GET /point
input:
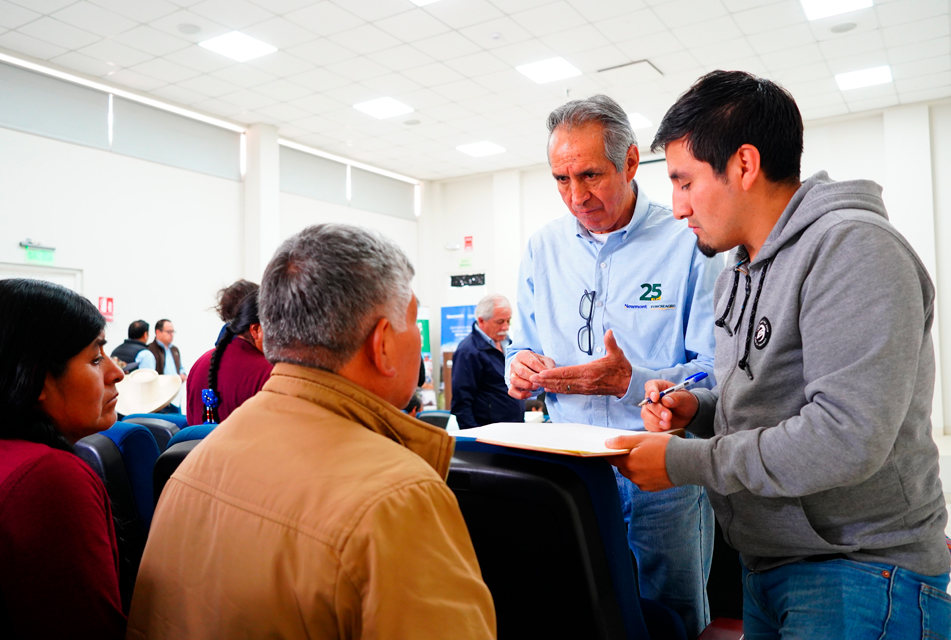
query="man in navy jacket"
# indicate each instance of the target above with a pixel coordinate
(479, 393)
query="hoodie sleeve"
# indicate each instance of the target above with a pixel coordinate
(866, 309)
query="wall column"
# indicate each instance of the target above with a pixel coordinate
(506, 234)
(262, 199)
(909, 198)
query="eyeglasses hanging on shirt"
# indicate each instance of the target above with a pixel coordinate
(586, 309)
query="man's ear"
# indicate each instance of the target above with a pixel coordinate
(379, 348)
(748, 163)
(631, 162)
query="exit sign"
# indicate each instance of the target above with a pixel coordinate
(39, 255)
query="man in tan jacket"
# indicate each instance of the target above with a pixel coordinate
(318, 509)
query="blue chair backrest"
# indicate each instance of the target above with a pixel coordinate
(549, 534)
(195, 432)
(139, 452)
(162, 429)
(178, 419)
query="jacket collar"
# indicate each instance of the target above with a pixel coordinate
(348, 400)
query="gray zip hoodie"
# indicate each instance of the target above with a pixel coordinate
(819, 431)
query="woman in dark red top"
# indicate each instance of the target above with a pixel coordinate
(235, 369)
(58, 554)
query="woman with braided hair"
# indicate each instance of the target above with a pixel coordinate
(233, 371)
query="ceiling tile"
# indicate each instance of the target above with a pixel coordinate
(859, 43)
(779, 39)
(315, 124)
(44, 6)
(149, 40)
(30, 46)
(920, 50)
(209, 85)
(412, 25)
(280, 33)
(493, 34)
(373, 10)
(461, 90)
(524, 52)
(581, 38)
(604, 9)
(218, 108)
(827, 112)
(711, 32)
(921, 68)
(819, 101)
(357, 69)
(676, 62)
(433, 74)
(917, 31)
(365, 39)
(13, 15)
(769, 18)
(602, 58)
(821, 86)
(478, 64)
(631, 26)
(284, 90)
(649, 47)
(131, 79)
(281, 7)
(873, 103)
(115, 53)
(804, 73)
(351, 94)
(400, 58)
(141, 11)
(549, 19)
(910, 97)
(242, 75)
(322, 52)
(717, 55)
(319, 80)
(859, 61)
(58, 33)
(789, 58)
(896, 13)
(248, 99)
(449, 111)
(924, 81)
(460, 14)
(324, 18)
(680, 13)
(179, 95)
(199, 59)
(447, 46)
(170, 23)
(94, 19)
(394, 85)
(83, 64)
(280, 64)
(165, 70)
(735, 6)
(424, 98)
(235, 14)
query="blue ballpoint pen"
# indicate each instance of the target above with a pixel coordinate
(697, 377)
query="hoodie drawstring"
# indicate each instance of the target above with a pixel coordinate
(744, 364)
(721, 321)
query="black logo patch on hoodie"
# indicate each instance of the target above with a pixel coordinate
(763, 331)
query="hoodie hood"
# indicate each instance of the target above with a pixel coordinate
(816, 197)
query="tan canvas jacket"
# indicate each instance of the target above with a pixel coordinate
(316, 510)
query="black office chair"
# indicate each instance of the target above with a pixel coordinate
(551, 543)
(168, 462)
(162, 430)
(434, 417)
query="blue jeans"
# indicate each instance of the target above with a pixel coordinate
(844, 599)
(671, 535)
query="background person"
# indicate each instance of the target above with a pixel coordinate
(137, 342)
(609, 297)
(163, 357)
(819, 456)
(58, 554)
(479, 393)
(319, 509)
(235, 369)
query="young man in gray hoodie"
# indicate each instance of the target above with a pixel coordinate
(818, 456)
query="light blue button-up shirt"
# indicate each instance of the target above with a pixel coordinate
(146, 360)
(653, 287)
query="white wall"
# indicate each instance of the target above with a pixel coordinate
(159, 240)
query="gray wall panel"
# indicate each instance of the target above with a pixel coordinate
(374, 192)
(311, 176)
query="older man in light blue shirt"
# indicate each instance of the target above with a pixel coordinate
(609, 297)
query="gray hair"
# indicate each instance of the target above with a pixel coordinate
(324, 291)
(598, 109)
(486, 307)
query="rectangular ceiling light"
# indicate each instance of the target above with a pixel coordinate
(383, 108)
(549, 70)
(818, 9)
(638, 121)
(863, 78)
(237, 46)
(479, 149)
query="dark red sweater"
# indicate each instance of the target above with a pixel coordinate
(58, 554)
(241, 374)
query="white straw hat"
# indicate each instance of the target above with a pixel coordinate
(145, 391)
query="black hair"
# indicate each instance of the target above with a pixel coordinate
(416, 402)
(246, 314)
(230, 298)
(42, 326)
(138, 329)
(724, 110)
(160, 325)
